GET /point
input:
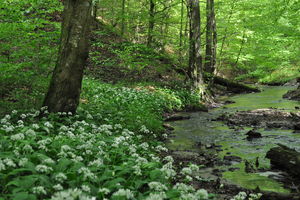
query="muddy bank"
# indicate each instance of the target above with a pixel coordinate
(263, 118)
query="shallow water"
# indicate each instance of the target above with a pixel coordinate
(201, 128)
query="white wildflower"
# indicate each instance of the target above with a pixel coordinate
(19, 136)
(39, 190)
(202, 194)
(60, 177)
(86, 188)
(2, 166)
(35, 126)
(157, 186)
(48, 125)
(169, 159)
(104, 191)
(98, 162)
(124, 193)
(58, 187)
(22, 162)
(71, 194)
(87, 174)
(43, 168)
(9, 162)
(137, 170)
(155, 196)
(144, 146)
(49, 161)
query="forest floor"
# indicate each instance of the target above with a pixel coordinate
(128, 90)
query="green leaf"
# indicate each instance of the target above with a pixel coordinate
(63, 164)
(23, 196)
(155, 174)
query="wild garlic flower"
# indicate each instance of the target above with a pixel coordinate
(23, 116)
(9, 162)
(58, 187)
(30, 133)
(48, 125)
(48, 161)
(98, 162)
(124, 193)
(144, 129)
(202, 194)
(184, 188)
(186, 171)
(22, 162)
(43, 169)
(137, 170)
(160, 148)
(169, 159)
(60, 177)
(144, 146)
(141, 160)
(86, 188)
(155, 196)
(28, 148)
(240, 196)
(39, 190)
(19, 136)
(8, 129)
(157, 186)
(104, 191)
(71, 194)
(35, 126)
(2, 166)
(87, 174)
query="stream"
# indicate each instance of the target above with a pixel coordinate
(203, 129)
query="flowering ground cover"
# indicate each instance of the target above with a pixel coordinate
(109, 149)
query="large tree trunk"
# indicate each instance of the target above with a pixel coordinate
(195, 58)
(65, 86)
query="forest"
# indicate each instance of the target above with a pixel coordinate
(150, 99)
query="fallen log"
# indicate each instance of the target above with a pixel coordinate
(284, 158)
(234, 86)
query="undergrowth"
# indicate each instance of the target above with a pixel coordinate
(109, 149)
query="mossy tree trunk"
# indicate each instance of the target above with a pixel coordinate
(65, 86)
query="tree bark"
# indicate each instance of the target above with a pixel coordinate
(181, 31)
(195, 58)
(211, 37)
(208, 49)
(65, 86)
(123, 18)
(151, 22)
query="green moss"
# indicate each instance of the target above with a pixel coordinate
(252, 181)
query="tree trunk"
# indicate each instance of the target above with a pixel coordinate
(64, 90)
(208, 49)
(151, 22)
(211, 37)
(215, 37)
(195, 58)
(123, 18)
(181, 31)
(225, 36)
